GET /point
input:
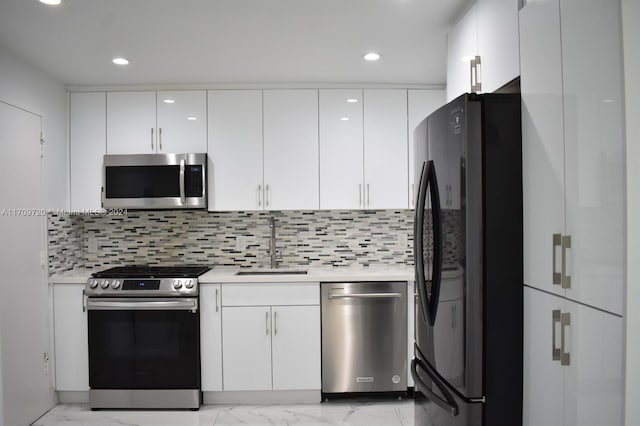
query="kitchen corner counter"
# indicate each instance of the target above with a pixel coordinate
(74, 276)
(318, 274)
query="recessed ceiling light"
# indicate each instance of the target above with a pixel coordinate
(192, 118)
(51, 2)
(344, 118)
(169, 101)
(120, 61)
(372, 56)
(352, 100)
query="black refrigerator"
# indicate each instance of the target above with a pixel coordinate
(467, 367)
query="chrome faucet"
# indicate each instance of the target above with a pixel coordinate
(272, 242)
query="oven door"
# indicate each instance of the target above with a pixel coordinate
(144, 343)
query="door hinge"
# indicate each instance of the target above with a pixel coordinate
(43, 259)
(41, 144)
(46, 363)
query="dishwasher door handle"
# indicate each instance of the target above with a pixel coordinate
(365, 295)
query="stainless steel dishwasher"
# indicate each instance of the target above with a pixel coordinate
(364, 337)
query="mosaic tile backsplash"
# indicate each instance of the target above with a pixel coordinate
(304, 238)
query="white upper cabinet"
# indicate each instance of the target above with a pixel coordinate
(182, 121)
(235, 150)
(385, 149)
(488, 29)
(462, 47)
(498, 42)
(542, 144)
(87, 129)
(341, 149)
(150, 122)
(291, 169)
(573, 150)
(421, 104)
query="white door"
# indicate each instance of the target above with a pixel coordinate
(341, 149)
(131, 123)
(70, 336)
(498, 42)
(88, 144)
(386, 161)
(595, 151)
(462, 46)
(24, 317)
(296, 347)
(246, 348)
(291, 169)
(211, 337)
(421, 103)
(543, 393)
(593, 380)
(542, 142)
(235, 150)
(182, 121)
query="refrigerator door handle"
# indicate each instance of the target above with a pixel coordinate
(436, 223)
(418, 238)
(448, 403)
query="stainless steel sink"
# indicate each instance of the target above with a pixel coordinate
(272, 272)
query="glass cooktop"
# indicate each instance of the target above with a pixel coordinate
(145, 271)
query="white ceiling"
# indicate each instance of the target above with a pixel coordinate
(232, 41)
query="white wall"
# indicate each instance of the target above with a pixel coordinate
(631, 36)
(25, 86)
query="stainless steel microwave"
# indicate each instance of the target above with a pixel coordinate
(155, 181)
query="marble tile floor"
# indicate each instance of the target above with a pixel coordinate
(351, 413)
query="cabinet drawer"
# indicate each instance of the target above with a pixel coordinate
(263, 294)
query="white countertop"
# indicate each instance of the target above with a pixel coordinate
(227, 274)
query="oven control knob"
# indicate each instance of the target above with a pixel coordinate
(177, 284)
(93, 283)
(189, 284)
(104, 284)
(115, 283)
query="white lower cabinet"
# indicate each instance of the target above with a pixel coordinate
(210, 337)
(70, 337)
(572, 363)
(273, 345)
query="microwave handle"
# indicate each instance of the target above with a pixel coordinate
(183, 198)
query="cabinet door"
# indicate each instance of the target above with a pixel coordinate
(593, 380)
(543, 376)
(211, 337)
(70, 337)
(462, 46)
(235, 150)
(87, 140)
(296, 347)
(386, 162)
(594, 146)
(421, 103)
(291, 149)
(498, 42)
(542, 141)
(246, 348)
(341, 149)
(131, 123)
(182, 121)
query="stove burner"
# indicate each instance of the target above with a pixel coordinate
(144, 271)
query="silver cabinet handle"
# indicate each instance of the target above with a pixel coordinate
(557, 242)
(364, 295)
(566, 244)
(160, 138)
(266, 321)
(152, 149)
(275, 323)
(360, 194)
(183, 197)
(476, 74)
(266, 196)
(565, 358)
(555, 319)
(259, 195)
(413, 194)
(217, 300)
(84, 306)
(368, 196)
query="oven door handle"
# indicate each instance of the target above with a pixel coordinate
(189, 304)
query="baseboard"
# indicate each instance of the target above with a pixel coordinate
(263, 397)
(73, 397)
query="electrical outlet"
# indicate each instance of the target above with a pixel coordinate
(402, 241)
(92, 245)
(241, 242)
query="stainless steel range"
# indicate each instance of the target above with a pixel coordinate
(144, 337)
